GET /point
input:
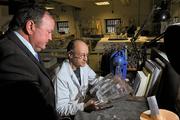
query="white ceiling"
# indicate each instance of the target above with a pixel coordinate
(75, 3)
(83, 3)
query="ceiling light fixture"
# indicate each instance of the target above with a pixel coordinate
(49, 8)
(102, 3)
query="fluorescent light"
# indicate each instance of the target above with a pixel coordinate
(49, 8)
(102, 3)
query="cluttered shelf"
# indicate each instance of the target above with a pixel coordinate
(107, 42)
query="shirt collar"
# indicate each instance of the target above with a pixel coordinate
(26, 43)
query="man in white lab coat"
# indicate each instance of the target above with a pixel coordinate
(72, 80)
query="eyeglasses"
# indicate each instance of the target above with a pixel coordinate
(81, 56)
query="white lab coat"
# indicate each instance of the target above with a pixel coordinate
(68, 90)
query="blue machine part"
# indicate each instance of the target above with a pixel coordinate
(118, 64)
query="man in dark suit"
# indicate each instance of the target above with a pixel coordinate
(26, 90)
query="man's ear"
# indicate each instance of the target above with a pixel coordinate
(30, 26)
(70, 54)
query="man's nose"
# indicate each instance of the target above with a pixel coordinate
(85, 57)
(50, 37)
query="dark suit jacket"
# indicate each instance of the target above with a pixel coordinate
(25, 87)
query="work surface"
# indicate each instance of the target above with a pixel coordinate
(128, 108)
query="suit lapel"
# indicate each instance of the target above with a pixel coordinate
(16, 40)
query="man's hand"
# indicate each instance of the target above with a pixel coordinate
(90, 106)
